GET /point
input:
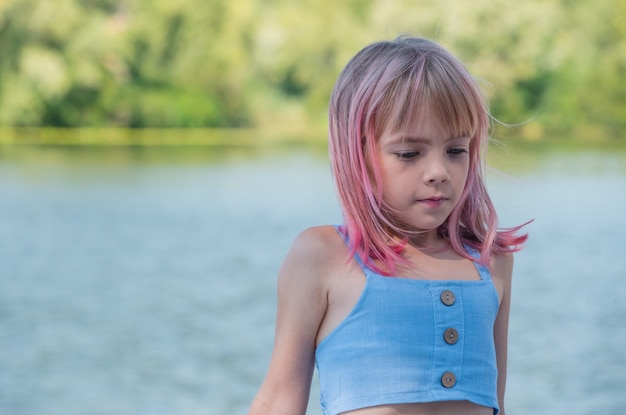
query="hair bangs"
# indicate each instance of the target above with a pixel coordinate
(435, 87)
(454, 99)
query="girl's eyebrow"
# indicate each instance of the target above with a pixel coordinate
(422, 140)
(411, 139)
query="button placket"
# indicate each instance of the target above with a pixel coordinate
(450, 337)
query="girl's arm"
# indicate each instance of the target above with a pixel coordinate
(302, 302)
(502, 267)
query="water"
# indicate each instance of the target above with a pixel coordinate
(143, 282)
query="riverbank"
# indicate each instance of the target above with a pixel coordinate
(246, 137)
(169, 137)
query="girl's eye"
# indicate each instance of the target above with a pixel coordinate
(457, 151)
(407, 155)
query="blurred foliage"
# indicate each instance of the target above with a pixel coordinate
(556, 67)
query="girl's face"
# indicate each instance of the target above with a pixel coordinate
(423, 173)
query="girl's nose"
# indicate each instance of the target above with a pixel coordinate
(436, 172)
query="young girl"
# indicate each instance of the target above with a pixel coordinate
(404, 308)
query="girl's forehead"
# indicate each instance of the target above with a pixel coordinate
(425, 122)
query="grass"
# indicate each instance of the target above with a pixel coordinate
(150, 137)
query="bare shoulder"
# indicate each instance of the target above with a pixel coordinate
(314, 255)
(502, 266)
(318, 246)
(320, 236)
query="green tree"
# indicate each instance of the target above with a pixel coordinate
(551, 65)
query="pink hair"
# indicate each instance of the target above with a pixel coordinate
(386, 85)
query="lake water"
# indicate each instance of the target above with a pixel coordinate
(142, 282)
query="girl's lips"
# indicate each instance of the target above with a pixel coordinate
(433, 202)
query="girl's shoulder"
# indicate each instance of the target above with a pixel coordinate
(502, 263)
(315, 256)
(319, 246)
(501, 267)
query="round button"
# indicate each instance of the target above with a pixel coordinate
(447, 297)
(448, 380)
(451, 336)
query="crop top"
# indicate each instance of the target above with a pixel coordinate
(410, 341)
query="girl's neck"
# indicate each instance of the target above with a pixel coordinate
(428, 240)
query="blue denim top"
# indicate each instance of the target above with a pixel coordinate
(409, 341)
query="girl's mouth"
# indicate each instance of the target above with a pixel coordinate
(434, 202)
